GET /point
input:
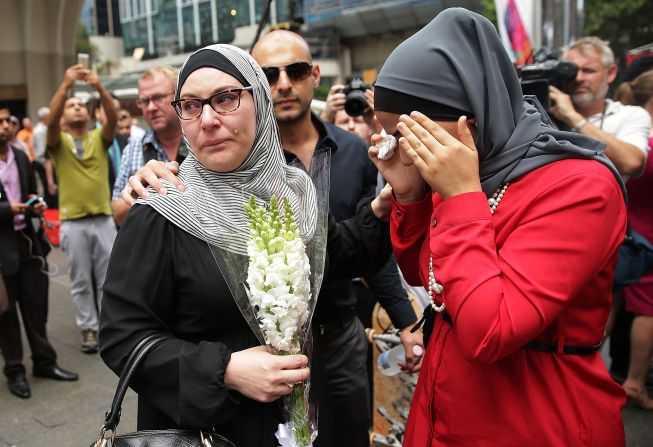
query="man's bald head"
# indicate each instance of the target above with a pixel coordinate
(277, 39)
(291, 94)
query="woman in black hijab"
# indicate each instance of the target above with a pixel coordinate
(164, 277)
(513, 228)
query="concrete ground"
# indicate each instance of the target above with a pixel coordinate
(62, 413)
(70, 413)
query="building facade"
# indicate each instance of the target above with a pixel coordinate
(157, 28)
(38, 44)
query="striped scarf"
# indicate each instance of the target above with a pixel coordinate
(211, 207)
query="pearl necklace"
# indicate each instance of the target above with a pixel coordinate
(436, 287)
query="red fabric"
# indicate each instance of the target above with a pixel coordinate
(639, 296)
(51, 225)
(540, 269)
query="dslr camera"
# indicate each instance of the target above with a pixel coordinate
(545, 71)
(356, 102)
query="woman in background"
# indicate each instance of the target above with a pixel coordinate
(639, 296)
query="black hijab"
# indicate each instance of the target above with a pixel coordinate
(458, 61)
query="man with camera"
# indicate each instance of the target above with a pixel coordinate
(585, 108)
(341, 344)
(351, 107)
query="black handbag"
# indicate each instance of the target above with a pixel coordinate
(149, 438)
(635, 259)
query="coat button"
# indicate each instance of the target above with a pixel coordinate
(397, 213)
(434, 223)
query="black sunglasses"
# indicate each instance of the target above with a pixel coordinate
(296, 72)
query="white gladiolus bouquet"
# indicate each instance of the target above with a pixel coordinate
(274, 266)
(278, 277)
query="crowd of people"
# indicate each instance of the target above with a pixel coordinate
(508, 218)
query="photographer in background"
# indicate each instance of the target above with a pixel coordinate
(587, 110)
(351, 108)
(623, 128)
(359, 117)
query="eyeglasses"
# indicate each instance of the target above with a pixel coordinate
(155, 99)
(223, 102)
(296, 72)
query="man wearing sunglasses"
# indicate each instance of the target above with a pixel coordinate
(163, 141)
(339, 367)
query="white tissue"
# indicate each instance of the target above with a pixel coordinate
(387, 146)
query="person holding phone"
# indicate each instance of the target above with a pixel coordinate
(24, 270)
(81, 160)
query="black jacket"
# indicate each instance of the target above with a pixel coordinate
(9, 255)
(183, 297)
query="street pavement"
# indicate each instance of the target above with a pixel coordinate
(62, 413)
(70, 413)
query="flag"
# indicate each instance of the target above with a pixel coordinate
(519, 41)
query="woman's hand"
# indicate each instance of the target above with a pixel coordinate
(150, 175)
(448, 165)
(262, 376)
(404, 178)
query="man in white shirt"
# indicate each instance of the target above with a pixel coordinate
(586, 109)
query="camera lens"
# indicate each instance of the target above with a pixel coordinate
(356, 103)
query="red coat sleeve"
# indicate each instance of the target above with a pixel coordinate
(408, 228)
(501, 297)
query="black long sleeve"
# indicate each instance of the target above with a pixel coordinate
(163, 280)
(358, 246)
(386, 287)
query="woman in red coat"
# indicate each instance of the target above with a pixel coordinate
(513, 227)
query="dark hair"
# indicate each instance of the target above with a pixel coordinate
(636, 68)
(4, 106)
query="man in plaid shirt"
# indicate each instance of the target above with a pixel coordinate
(163, 141)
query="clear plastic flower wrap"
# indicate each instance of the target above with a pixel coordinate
(277, 282)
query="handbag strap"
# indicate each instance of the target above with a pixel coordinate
(112, 416)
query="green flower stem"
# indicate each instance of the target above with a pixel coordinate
(298, 411)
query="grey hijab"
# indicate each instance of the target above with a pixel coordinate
(458, 60)
(211, 207)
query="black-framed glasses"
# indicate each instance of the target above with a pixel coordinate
(296, 72)
(223, 102)
(155, 99)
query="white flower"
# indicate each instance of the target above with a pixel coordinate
(278, 276)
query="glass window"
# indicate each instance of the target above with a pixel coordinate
(206, 26)
(283, 10)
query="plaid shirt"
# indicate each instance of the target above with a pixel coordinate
(133, 159)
